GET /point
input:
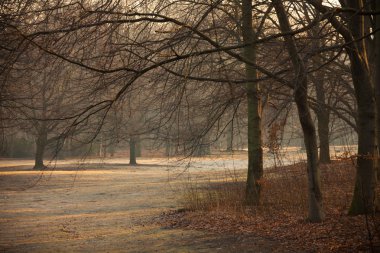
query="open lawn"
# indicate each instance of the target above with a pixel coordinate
(101, 207)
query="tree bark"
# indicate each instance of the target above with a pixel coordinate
(255, 152)
(377, 83)
(322, 112)
(102, 147)
(132, 151)
(41, 142)
(138, 146)
(168, 148)
(364, 198)
(230, 136)
(323, 124)
(310, 138)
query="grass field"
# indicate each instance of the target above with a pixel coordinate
(102, 206)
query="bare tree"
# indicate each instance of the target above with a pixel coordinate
(301, 98)
(364, 199)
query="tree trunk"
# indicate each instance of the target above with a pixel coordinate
(203, 148)
(377, 83)
(255, 152)
(138, 146)
(323, 124)
(322, 112)
(323, 117)
(71, 147)
(364, 199)
(310, 138)
(168, 148)
(230, 136)
(132, 151)
(40, 150)
(102, 147)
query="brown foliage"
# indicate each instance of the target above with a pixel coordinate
(217, 207)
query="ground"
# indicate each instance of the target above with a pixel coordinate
(166, 205)
(102, 206)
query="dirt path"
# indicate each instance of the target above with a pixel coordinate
(98, 208)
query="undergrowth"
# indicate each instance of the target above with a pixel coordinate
(216, 202)
(284, 189)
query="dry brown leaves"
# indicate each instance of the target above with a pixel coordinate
(337, 233)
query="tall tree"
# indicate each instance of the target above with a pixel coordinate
(364, 199)
(321, 110)
(301, 98)
(255, 151)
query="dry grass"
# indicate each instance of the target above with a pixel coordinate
(284, 189)
(217, 205)
(221, 193)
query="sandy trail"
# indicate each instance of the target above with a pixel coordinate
(99, 208)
